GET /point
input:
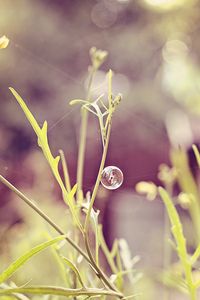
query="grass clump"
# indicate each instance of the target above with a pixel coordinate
(82, 269)
(83, 259)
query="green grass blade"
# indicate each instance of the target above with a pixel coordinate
(176, 228)
(177, 232)
(13, 267)
(71, 265)
(196, 255)
(41, 134)
(78, 101)
(73, 191)
(58, 291)
(196, 153)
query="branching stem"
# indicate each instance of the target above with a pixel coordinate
(98, 180)
(30, 203)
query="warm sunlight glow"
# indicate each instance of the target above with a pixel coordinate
(167, 4)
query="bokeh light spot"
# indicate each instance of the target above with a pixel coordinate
(102, 17)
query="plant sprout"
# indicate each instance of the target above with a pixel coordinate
(82, 268)
(84, 217)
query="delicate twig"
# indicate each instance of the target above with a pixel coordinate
(106, 251)
(87, 221)
(65, 171)
(102, 275)
(82, 142)
(59, 291)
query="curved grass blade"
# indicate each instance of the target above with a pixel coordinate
(196, 153)
(41, 134)
(59, 291)
(43, 143)
(195, 255)
(13, 267)
(78, 101)
(74, 269)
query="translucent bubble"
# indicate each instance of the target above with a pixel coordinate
(112, 177)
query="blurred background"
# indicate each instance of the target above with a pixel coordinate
(154, 51)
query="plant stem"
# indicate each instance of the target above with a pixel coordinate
(187, 184)
(92, 263)
(87, 221)
(106, 252)
(59, 291)
(167, 247)
(81, 153)
(43, 215)
(102, 275)
(82, 141)
(188, 277)
(193, 294)
(65, 171)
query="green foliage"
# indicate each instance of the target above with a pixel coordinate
(85, 267)
(196, 153)
(6, 274)
(82, 270)
(99, 109)
(177, 231)
(41, 134)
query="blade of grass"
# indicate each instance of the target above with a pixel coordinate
(92, 262)
(195, 256)
(25, 257)
(43, 215)
(41, 134)
(65, 171)
(58, 291)
(177, 232)
(72, 266)
(196, 153)
(106, 251)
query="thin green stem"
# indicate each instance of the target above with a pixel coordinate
(87, 221)
(191, 286)
(83, 134)
(60, 291)
(106, 252)
(65, 171)
(98, 180)
(187, 184)
(188, 276)
(81, 153)
(196, 153)
(30, 203)
(97, 245)
(101, 273)
(43, 215)
(167, 251)
(167, 247)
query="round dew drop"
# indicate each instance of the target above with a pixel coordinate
(112, 178)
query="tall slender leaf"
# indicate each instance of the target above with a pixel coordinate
(13, 267)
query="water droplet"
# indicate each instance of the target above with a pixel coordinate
(112, 178)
